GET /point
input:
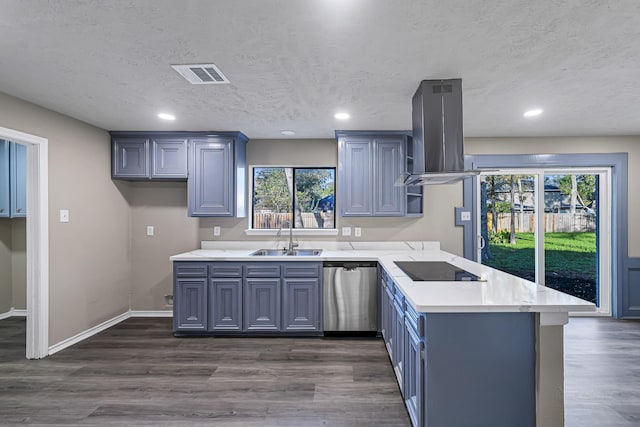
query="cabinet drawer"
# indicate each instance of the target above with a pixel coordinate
(190, 269)
(415, 320)
(301, 269)
(262, 269)
(225, 269)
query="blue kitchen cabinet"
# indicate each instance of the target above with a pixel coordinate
(354, 172)
(448, 361)
(13, 180)
(217, 176)
(130, 158)
(301, 305)
(18, 180)
(414, 365)
(225, 304)
(262, 304)
(368, 165)
(398, 341)
(5, 180)
(142, 156)
(248, 298)
(169, 158)
(190, 301)
(388, 166)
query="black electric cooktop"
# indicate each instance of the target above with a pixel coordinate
(435, 271)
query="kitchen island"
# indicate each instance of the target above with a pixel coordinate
(465, 353)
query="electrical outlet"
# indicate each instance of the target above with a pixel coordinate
(465, 216)
(346, 231)
(64, 215)
(150, 230)
(357, 232)
(216, 230)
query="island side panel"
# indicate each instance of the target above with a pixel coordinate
(480, 369)
(550, 375)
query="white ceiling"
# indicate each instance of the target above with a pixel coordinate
(293, 63)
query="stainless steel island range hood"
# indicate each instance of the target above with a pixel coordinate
(438, 156)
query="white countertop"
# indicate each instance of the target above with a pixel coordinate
(501, 292)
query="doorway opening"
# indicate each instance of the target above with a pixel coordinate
(37, 241)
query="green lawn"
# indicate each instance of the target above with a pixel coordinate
(566, 254)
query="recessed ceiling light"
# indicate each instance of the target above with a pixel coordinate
(166, 116)
(533, 113)
(288, 132)
(342, 116)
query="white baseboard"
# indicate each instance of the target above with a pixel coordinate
(88, 333)
(151, 313)
(13, 312)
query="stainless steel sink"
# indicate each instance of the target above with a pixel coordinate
(284, 252)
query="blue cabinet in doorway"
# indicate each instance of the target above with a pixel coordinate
(13, 180)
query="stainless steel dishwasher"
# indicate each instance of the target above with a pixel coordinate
(350, 300)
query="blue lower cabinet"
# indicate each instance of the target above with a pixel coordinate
(225, 304)
(262, 305)
(190, 302)
(413, 373)
(301, 303)
(398, 343)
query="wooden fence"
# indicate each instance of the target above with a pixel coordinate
(277, 220)
(554, 222)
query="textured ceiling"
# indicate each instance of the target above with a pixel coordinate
(293, 64)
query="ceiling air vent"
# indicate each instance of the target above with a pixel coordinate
(201, 74)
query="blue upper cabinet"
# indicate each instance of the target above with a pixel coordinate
(141, 156)
(13, 180)
(130, 158)
(368, 165)
(5, 182)
(169, 158)
(217, 176)
(18, 180)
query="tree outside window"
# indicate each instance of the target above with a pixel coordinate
(303, 196)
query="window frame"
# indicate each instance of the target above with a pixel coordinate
(296, 231)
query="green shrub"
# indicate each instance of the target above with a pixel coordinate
(499, 237)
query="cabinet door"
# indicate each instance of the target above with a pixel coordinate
(413, 371)
(301, 305)
(189, 304)
(355, 191)
(18, 180)
(225, 305)
(391, 319)
(5, 185)
(398, 344)
(388, 160)
(169, 158)
(130, 158)
(262, 305)
(211, 183)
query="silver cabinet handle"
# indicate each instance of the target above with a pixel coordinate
(483, 243)
(18, 210)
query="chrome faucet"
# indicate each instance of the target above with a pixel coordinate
(292, 245)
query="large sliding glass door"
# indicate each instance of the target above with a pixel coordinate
(549, 226)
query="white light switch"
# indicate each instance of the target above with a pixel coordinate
(216, 230)
(150, 230)
(357, 231)
(64, 215)
(346, 231)
(465, 216)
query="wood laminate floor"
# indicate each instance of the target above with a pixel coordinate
(138, 374)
